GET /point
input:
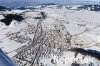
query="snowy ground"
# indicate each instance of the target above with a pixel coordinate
(83, 26)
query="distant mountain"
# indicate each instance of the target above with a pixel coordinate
(49, 4)
(2, 8)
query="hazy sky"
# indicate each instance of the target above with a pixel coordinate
(11, 2)
(43, 1)
(47, 0)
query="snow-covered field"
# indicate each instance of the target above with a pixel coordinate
(80, 28)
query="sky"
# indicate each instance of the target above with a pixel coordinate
(44, 0)
(28, 2)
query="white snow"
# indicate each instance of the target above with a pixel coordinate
(76, 22)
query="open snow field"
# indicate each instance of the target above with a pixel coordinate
(80, 27)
